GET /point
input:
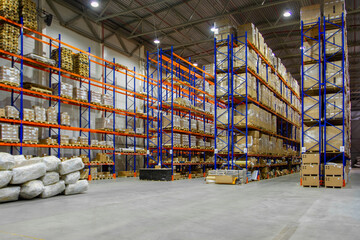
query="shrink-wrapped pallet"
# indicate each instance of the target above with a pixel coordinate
(95, 97)
(9, 194)
(9, 75)
(71, 165)
(9, 132)
(107, 100)
(76, 188)
(83, 140)
(53, 189)
(50, 178)
(81, 64)
(5, 177)
(185, 140)
(66, 61)
(31, 189)
(66, 90)
(80, 94)
(12, 112)
(71, 178)
(40, 114)
(65, 119)
(104, 123)
(27, 173)
(64, 139)
(51, 115)
(193, 142)
(29, 114)
(30, 134)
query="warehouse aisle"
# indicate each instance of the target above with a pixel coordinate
(189, 209)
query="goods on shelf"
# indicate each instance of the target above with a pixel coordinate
(66, 61)
(30, 134)
(105, 123)
(12, 112)
(83, 140)
(9, 9)
(310, 14)
(9, 133)
(9, 36)
(311, 108)
(10, 76)
(184, 124)
(28, 12)
(185, 140)
(40, 114)
(64, 139)
(37, 88)
(49, 141)
(166, 122)
(40, 59)
(333, 9)
(81, 64)
(107, 100)
(225, 29)
(51, 115)
(66, 90)
(65, 119)
(95, 98)
(29, 114)
(80, 94)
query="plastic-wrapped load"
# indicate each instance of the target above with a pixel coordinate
(9, 132)
(107, 100)
(53, 190)
(71, 178)
(9, 74)
(5, 178)
(21, 161)
(65, 119)
(30, 134)
(71, 165)
(79, 187)
(12, 112)
(50, 178)
(40, 114)
(29, 114)
(80, 94)
(95, 97)
(27, 173)
(104, 123)
(6, 161)
(52, 163)
(66, 90)
(51, 115)
(9, 194)
(31, 189)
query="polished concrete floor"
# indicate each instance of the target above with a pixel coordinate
(189, 209)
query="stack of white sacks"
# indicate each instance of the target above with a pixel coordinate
(41, 176)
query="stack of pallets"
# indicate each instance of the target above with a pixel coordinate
(81, 64)
(9, 9)
(27, 11)
(9, 38)
(66, 59)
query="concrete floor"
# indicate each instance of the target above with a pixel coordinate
(189, 209)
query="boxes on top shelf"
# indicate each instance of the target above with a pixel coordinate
(9, 9)
(334, 42)
(333, 9)
(311, 158)
(251, 30)
(310, 14)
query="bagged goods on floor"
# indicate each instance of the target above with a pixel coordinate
(71, 178)
(5, 178)
(39, 177)
(27, 173)
(53, 189)
(71, 165)
(6, 161)
(79, 187)
(31, 189)
(50, 178)
(9, 194)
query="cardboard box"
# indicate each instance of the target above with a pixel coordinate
(311, 138)
(334, 169)
(333, 181)
(310, 14)
(310, 169)
(310, 181)
(333, 9)
(334, 105)
(312, 79)
(334, 41)
(334, 138)
(310, 158)
(311, 108)
(334, 77)
(225, 179)
(250, 29)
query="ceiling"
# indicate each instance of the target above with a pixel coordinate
(185, 25)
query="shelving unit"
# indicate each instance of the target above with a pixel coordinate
(57, 75)
(237, 88)
(177, 96)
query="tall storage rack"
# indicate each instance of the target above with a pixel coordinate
(181, 105)
(56, 75)
(236, 93)
(325, 93)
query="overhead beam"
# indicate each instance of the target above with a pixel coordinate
(130, 10)
(195, 22)
(55, 10)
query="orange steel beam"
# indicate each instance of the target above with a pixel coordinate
(50, 146)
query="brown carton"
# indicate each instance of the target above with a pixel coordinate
(310, 169)
(333, 9)
(311, 76)
(334, 138)
(310, 158)
(334, 169)
(311, 138)
(333, 181)
(310, 181)
(225, 179)
(311, 108)
(310, 14)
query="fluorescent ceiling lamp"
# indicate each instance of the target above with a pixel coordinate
(287, 13)
(195, 64)
(156, 41)
(214, 30)
(94, 4)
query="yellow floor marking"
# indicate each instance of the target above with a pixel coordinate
(20, 235)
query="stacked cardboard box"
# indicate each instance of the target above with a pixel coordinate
(65, 119)
(28, 12)
(80, 94)
(30, 134)
(9, 36)
(334, 173)
(29, 114)
(107, 100)
(12, 112)
(9, 133)
(104, 123)
(95, 98)
(40, 114)
(9, 75)
(51, 115)
(310, 170)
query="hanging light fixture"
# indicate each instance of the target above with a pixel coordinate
(287, 13)
(156, 41)
(94, 3)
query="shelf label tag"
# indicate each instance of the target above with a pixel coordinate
(245, 150)
(303, 149)
(147, 152)
(342, 149)
(171, 151)
(216, 151)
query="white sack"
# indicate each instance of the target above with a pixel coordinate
(5, 178)
(50, 178)
(71, 165)
(53, 190)
(71, 178)
(27, 173)
(9, 194)
(79, 187)
(31, 189)
(6, 161)
(19, 162)
(52, 163)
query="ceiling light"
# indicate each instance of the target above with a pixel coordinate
(156, 41)
(287, 13)
(195, 64)
(214, 30)
(94, 3)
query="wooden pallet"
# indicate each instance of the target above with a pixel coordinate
(311, 186)
(10, 140)
(332, 187)
(30, 142)
(10, 83)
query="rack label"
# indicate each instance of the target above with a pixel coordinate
(303, 149)
(245, 150)
(171, 151)
(147, 152)
(342, 149)
(216, 151)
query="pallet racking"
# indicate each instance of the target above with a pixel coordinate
(235, 95)
(56, 76)
(178, 99)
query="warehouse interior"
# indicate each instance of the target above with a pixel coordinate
(190, 117)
